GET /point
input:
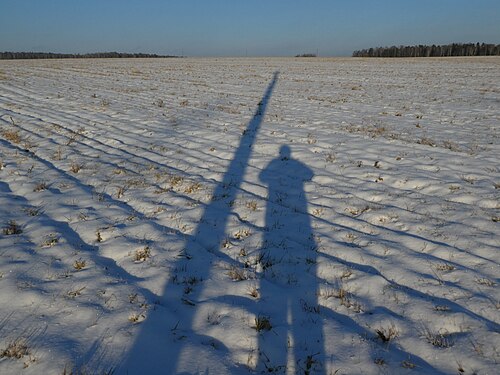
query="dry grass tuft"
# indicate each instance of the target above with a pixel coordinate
(438, 339)
(444, 267)
(253, 291)
(79, 264)
(238, 274)
(262, 323)
(12, 228)
(50, 240)
(386, 334)
(136, 318)
(41, 187)
(16, 350)
(485, 281)
(252, 205)
(12, 136)
(143, 254)
(75, 167)
(192, 188)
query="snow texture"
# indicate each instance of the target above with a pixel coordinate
(246, 216)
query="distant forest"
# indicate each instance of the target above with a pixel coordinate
(455, 49)
(307, 55)
(49, 55)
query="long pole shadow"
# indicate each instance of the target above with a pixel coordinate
(158, 346)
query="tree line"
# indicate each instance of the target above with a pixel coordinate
(97, 55)
(307, 55)
(455, 49)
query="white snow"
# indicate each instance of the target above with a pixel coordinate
(160, 218)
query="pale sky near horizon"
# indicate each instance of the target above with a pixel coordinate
(242, 27)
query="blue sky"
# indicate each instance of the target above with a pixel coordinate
(240, 27)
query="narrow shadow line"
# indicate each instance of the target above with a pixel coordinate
(154, 350)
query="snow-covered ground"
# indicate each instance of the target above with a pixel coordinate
(239, 216)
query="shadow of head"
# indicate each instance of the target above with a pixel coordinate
(285, 152)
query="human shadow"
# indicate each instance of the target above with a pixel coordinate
(168, 331)
(288, 285)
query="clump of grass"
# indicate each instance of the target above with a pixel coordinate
(444, 267)
(311, 139)
(253, 291)
(237, 274)
(79, 264)
(12, 136)
(12, 228)
(252, 205)
(17, 349)
(265, 260)
(318, 212)
(142, 254)
(41, 187)
(342, 294)
(438, 339)
(226, 244)
(136, 318)
(58, 154)
(192, 188)
(76, 292)
(50, 240)
(408, 364)
(427, 141)
(356, 211)
(469, 179)
(33, 211)
(241, 234)
(346, 274)
(262, 323)
(75, 167)
(485, 281)
(379, 361)
(175, 180)
(121, 191)
(330, 292)
(387, 334)
(452, 146)
(442, 308)
(309, 308)
(330, 157)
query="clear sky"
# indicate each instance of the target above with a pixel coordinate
(240, 27)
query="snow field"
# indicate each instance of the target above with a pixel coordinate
(158, 222)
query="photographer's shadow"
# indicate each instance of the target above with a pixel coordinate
(289, 285)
